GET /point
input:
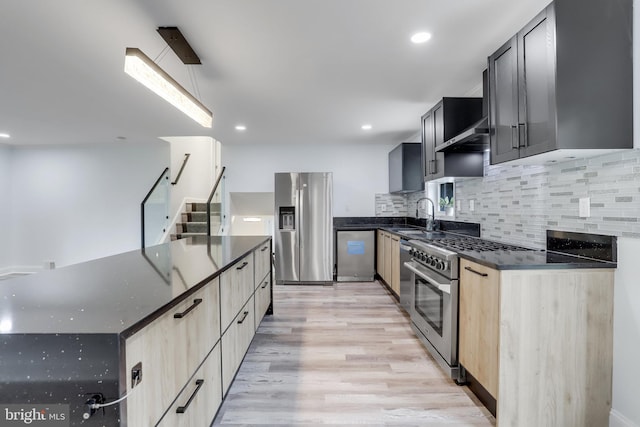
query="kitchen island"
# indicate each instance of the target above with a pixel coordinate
(146, 323)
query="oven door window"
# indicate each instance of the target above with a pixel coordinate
(428, 303)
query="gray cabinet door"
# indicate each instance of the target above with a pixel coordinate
(503, 101)
(536, 81)
(438, 138)
(428, 145)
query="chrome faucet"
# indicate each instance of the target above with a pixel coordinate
(431, 222)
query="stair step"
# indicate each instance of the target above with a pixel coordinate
(202, 207)
(191, 227)
(179, 236)
(194, 217)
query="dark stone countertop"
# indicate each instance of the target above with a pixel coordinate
(532, 260)
(117, 294)
(517, 259)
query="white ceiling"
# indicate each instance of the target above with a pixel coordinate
(292, 71)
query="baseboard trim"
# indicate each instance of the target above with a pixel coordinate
(616, 419)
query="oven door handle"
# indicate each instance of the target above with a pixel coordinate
(444, 288)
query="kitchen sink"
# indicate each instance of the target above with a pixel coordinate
(410, 231)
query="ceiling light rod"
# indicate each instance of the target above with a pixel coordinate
(142, 68)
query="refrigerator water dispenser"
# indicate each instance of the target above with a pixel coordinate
(287, 217)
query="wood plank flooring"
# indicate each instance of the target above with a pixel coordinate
(343, 355)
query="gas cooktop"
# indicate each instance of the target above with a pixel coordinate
(463, 243)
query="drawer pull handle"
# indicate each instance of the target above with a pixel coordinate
(191, 307)
(476, 272)
(264, 249)
(265, 285)
(183, 409)
(244, 316)
(244, 264)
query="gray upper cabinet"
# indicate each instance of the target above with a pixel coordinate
(563, 82)
(445, 120)
(405, 168)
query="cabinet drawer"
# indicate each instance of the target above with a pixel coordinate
(235, 343)
(263, 262)
(170, 349)
(263, 299)
(236, 286)
(198, 402)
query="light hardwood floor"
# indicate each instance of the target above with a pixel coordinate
(343, 355)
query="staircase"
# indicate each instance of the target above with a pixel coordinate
(194, 221)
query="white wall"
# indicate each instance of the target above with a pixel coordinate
(359, 171)
(5, 205)
(625, 411)
(80, 202)
(626, 337)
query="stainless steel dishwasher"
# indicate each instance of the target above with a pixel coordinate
(355, 255)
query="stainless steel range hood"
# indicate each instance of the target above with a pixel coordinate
(475, 138)
(472, 140)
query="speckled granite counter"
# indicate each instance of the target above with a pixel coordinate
(532, 260)
(61, 330)
(117, 293)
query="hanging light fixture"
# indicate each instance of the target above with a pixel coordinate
(142, 68)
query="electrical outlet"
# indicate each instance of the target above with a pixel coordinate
(472, 205)
(136, 374)
(383, 208)
(458, 205)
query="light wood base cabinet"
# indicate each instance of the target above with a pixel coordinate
(236, 286)
(388, 259)
(262, 258)
(191, 353)
(262, 299)
(380, 254)
(169, 350)
(198, 402)
(235, 342)
(479, 323)
(554, 343)
(394, 255)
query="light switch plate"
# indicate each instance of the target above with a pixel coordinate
(584, 207)
(472, 205)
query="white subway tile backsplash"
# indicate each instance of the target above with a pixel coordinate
(519, 203)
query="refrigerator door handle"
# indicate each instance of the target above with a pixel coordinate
(300, 209)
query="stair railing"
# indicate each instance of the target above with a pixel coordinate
(154, 211)
(184, 163)
(215, 204)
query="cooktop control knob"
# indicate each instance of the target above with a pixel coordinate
(441, 266)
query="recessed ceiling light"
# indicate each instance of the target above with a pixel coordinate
(420, 37)
(241, 127)
(366, 127)
(5, 135)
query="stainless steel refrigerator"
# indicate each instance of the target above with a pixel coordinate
(304, 227)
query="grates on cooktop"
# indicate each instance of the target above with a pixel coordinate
(478, 245)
